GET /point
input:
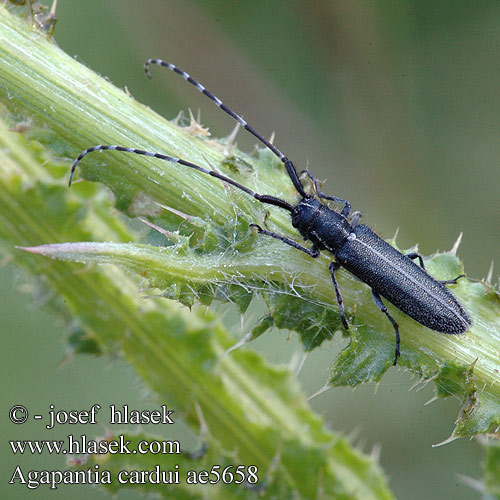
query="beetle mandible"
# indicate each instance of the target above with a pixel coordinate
(388, 272)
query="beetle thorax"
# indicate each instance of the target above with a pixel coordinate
(318, 223)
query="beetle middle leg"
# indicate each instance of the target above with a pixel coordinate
(378, 302)
(332, 268)
(313, 252)
(415, 255)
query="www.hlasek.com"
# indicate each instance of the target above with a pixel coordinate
(81, 445)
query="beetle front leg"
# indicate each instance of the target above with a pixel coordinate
(378, 302)
(355, 219)
(332, 268)
(347, 206)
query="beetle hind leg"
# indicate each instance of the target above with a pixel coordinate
(453, 281)
(378, 302)
(415, 255)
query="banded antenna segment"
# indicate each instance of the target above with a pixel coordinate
(290, 168)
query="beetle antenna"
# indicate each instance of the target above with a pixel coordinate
(264, 198)
(290, 168)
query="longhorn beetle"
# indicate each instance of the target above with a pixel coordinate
(388, 272)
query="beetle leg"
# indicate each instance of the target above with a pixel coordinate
(312, 252)
(416, 255)
(332, 268)
(347, 206)
(355, 219)
(378, 302)
(453, 281)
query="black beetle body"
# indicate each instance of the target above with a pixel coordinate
(402, 282)
(388, 272)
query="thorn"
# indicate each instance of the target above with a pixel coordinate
(297, 363)
(489, 276)
(353, 435)
(473, 365)
(186, 217)
(273, 136)
(474, 484)
(161, 230)
(232, 136)
(455, 246)
(423, 383)
(360, 443)
(325, 388)
(395, 234)
(178, 118)
(415, 385)
(375, 453)
(245, 340)
(195, 127)
(201, 418)
(53, 8)
(446, 441)
(30, 249)
(211, 165)
(434, 398)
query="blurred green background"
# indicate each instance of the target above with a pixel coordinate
(395, 103)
